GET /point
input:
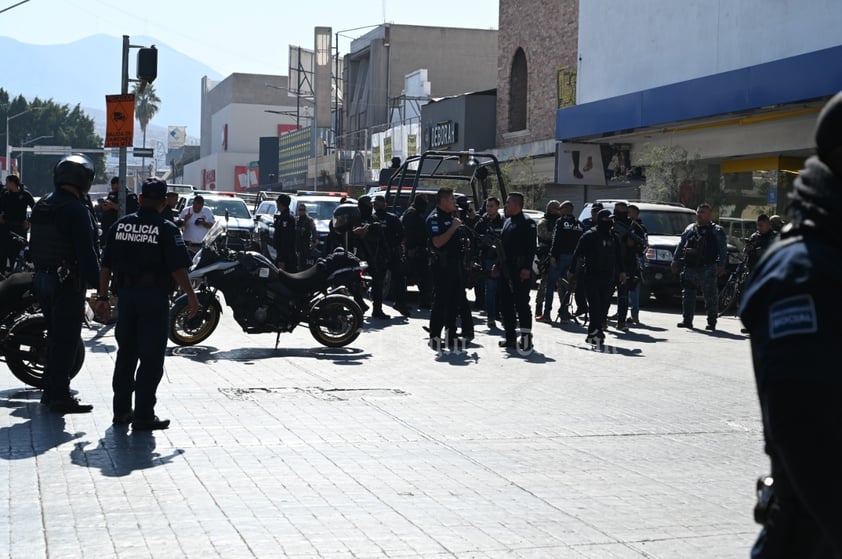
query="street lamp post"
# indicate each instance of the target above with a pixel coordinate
(27, 142)
(8, 142)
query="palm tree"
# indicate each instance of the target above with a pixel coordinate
(146, 103)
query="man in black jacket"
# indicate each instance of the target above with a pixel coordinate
(600, 250)
(566, 234)
(792, 308)
(284, 237)
(519, 242)
(415, 243)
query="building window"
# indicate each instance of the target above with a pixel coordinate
(518, 88)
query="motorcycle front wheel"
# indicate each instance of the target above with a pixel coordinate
(336, 321)
(727, 296)
(25, 349)
(185, 331)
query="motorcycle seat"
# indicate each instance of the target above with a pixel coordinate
(300, 282)
(13, 287)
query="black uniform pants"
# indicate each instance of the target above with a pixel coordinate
(62, 307)
(142, 322)
(514, 305)
(598, 290)
(418, 268)
(802, 425)
(447, 288)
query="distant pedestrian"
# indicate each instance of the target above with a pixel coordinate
(284, 236)
(146, 256)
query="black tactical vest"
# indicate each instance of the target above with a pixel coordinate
(48, 246)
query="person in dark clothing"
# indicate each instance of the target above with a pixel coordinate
(110, 206)
(284, 236)
(415, 244)
(13, 204)
(641, 232)
(545, 228)
(566, 235)
(518, 242)
(445, 250)
(64, 254)
(306, 237)
(703, 251)
(386, 174)
(370, 240)
(170, 213)
(599, 249)
(791, 307)
(147, 256)
(759, 241)
(489, 229)
(393, 234)
(581, 286)
(631, 249)
(468, 217)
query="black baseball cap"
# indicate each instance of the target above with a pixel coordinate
(154, 189)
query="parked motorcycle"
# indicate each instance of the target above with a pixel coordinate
(265, 299)
(23, 332)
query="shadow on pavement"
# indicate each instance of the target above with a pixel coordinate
(119, 452)
(210, 354)
(42, 431)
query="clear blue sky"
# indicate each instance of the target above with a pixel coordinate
(249, 36)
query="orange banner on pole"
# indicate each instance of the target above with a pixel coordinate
(119, 128)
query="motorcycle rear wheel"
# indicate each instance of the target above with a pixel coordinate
(336, 321)
(186, 332)
(25, 349)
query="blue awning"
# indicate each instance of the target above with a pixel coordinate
(789, 80)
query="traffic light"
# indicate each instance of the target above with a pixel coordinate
(147, 64)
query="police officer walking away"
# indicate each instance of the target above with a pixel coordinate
(703, 250)
(599, 247)
(147, 257)
(64, 254)
(445, 249)
(519, 242)
(792, 308)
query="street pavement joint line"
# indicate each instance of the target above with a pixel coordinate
(645, 434)
(492, 471)
(671, 539)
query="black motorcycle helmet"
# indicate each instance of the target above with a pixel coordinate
(76, 170)
(345, 218)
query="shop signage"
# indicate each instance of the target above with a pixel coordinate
(443, 134)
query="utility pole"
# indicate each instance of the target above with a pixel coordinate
(124, 89)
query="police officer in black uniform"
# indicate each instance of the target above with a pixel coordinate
(65, 259)
(370, 242)
(599, 249)
(519, 241)
(445, 250)
(703, 251)
(393, 233)
(415, 243)
(111, 205)
(13, 203)
(284, 237)
(147, 256)
(759, 241)
(792, 308)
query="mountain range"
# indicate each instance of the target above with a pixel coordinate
(85, 71)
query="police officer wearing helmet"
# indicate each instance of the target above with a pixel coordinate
(791, 307)
(703, 251)
(599, 249)
(64, 255)
(147, 257)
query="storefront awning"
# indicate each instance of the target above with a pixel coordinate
(789, 80)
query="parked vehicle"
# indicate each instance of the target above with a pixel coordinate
(23, 332)
(236, 215)
(320, 206)
(265, 299)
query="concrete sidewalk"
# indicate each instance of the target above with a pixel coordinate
(386, 449)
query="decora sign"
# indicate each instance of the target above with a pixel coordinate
(443, 134)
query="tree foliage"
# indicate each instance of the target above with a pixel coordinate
(146, 105)
(668, 169)
(59, 125)
(519, 175)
